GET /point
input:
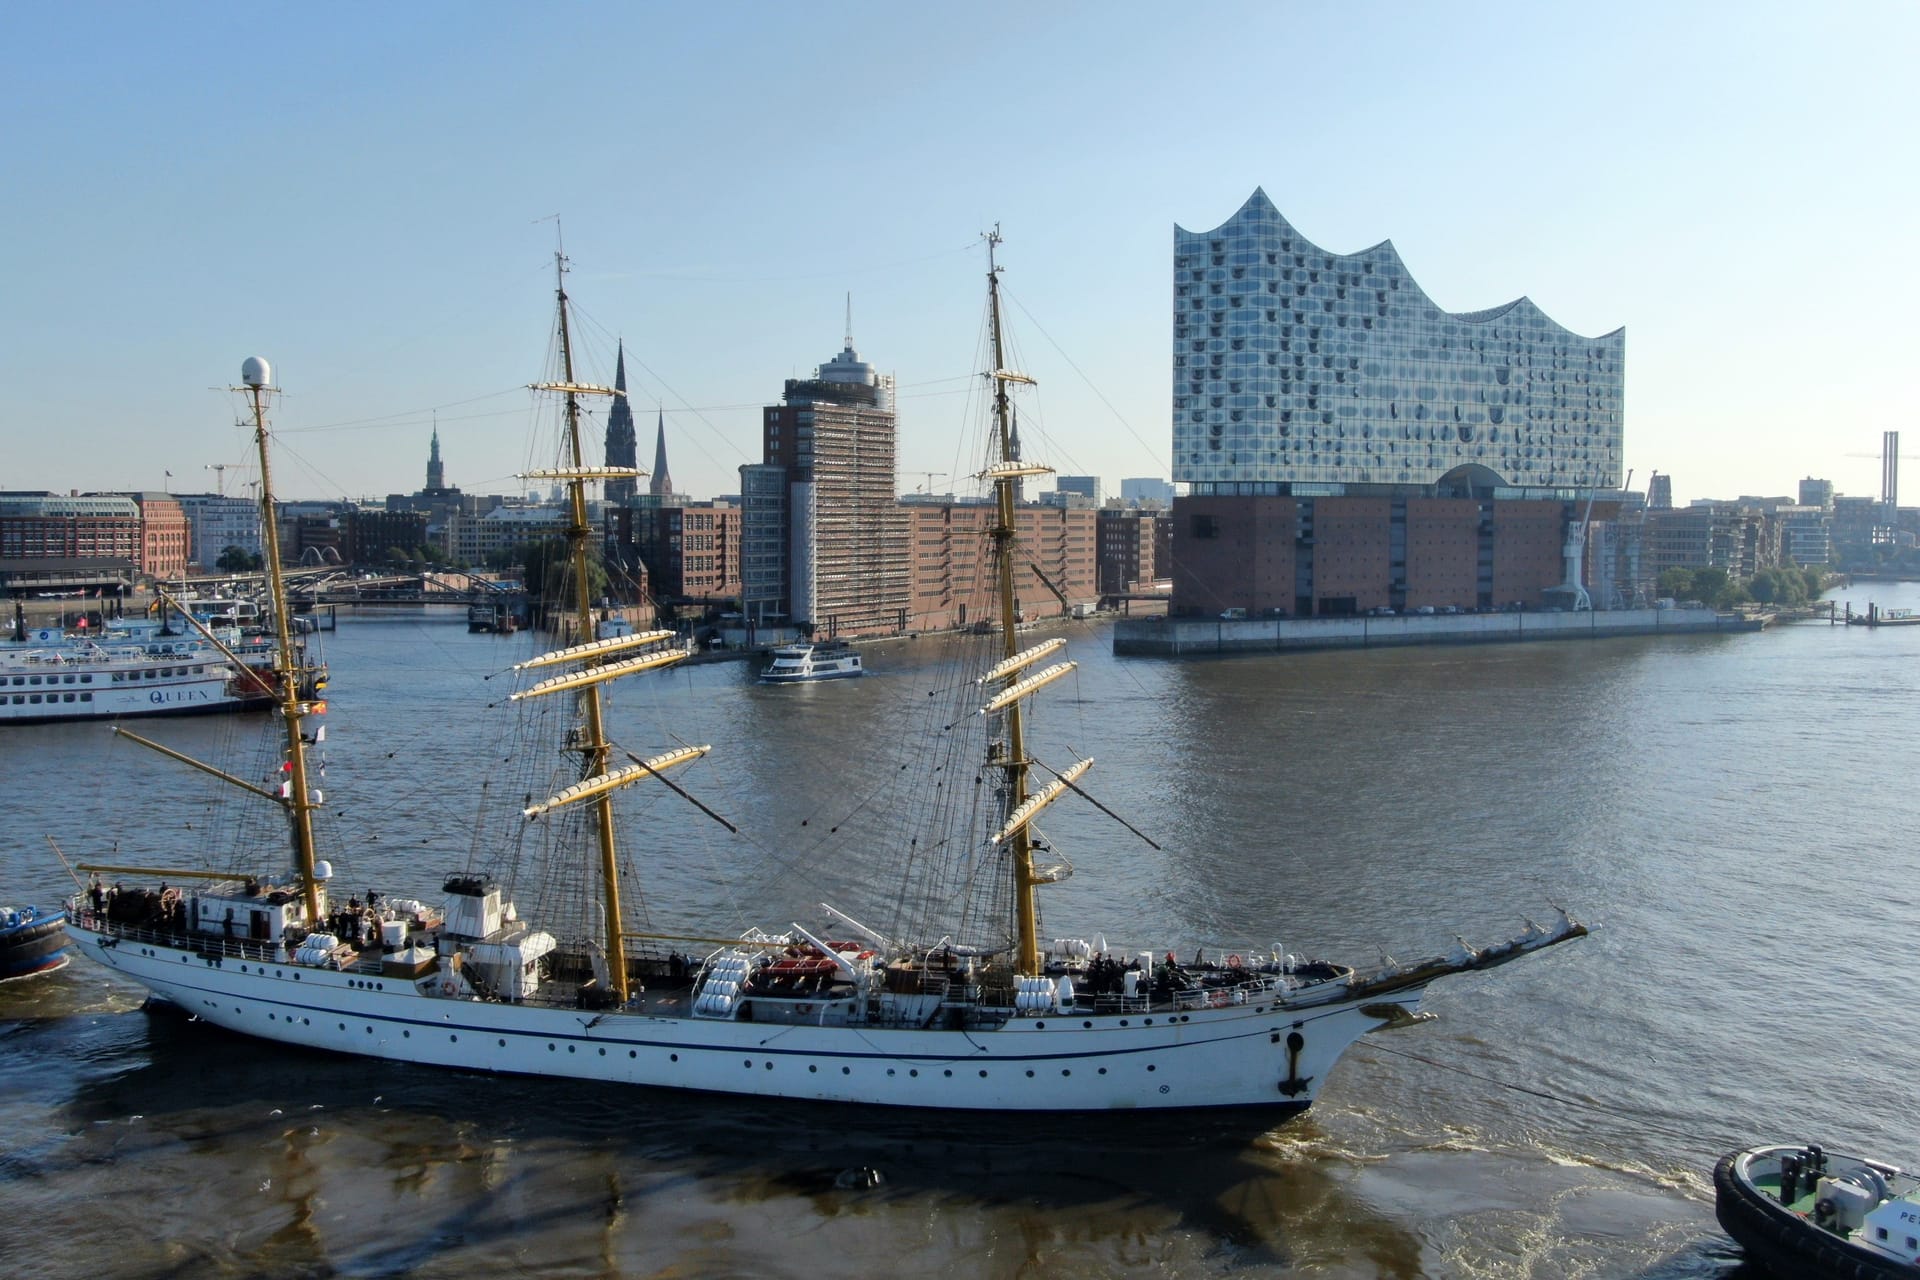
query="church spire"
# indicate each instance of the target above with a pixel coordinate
(622, 446)
(436, 474)
(661, 484)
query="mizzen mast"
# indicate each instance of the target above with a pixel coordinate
(257, 375)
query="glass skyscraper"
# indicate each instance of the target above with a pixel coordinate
(1300, 371)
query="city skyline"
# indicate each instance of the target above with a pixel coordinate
(196, 189)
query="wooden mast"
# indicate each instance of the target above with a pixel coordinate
(298, 800)
(1025, 917)
(595, 751)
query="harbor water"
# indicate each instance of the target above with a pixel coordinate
(1734, 813)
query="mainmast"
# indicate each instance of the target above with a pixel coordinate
(1026, 922)
(595, 751)
(257, 375)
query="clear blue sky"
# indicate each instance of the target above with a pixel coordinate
(352, 191)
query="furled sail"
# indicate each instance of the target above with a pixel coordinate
(594, 649)
(1025, 658)
(601, 783)
(1041, 799)
(1014, 471)
(583, 473)
(600, 675)
(1016, 692)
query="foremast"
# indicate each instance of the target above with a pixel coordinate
(298, 798)
(1005, 473)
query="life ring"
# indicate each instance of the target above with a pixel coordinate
(1234, 962)
(448, 987)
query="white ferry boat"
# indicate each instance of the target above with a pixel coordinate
(798, 663)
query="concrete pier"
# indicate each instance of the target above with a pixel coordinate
(1169, 637)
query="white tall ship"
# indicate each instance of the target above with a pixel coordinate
(977, 1010)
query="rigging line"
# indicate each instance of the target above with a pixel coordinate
(1723, 1144)
(1152, 451)
(843, 274)
(402, 421)
(1077, 790)
(683, 793)
(673, 391)
(410, 413)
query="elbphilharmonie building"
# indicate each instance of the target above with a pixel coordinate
(1343, 439)
(1295, 365)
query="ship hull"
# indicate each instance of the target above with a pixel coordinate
(212, 696)
(1257, 1055)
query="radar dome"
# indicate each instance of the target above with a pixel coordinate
(256, 372)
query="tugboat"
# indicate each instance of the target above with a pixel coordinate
(1807, 1212)
(31, 941)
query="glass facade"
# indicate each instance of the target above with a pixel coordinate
(1293, 365)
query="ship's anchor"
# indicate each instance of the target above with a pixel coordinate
(1293, 1086)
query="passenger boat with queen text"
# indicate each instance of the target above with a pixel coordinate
(946, 995)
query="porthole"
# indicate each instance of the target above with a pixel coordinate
(672, 1057)
(811, 1068)
(949, 1073)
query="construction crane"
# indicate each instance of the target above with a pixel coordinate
(219, 470)
(926, 486)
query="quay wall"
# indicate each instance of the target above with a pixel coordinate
(1171, 637)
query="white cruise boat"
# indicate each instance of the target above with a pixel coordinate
(801, 663)
(141, 667)
(948, 993)
(51, 675)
